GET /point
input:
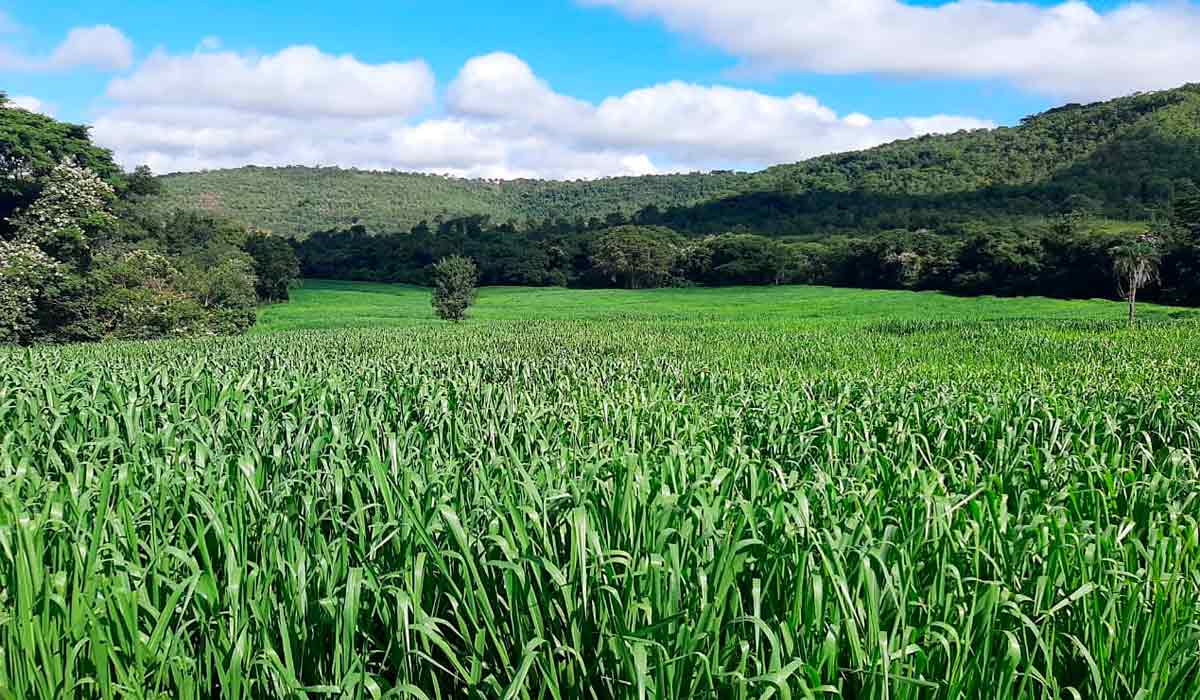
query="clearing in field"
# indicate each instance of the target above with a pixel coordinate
(792, 492)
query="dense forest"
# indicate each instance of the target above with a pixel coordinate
(83, 257)
(1070, 256)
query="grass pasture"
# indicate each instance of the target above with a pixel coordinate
(321, 304)
(792, 493)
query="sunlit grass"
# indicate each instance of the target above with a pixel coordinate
(324, 304)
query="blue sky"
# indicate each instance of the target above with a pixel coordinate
(564, 88)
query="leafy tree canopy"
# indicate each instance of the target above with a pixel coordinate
(32, 144)
(454, 280)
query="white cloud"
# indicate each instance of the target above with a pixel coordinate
(182, 138)
(1067, 50)
(502, 85)
(101, 47)
(706, 124)
(499, 119)
(210, 43)
(299, 81)
(31, 104)
(680, 124)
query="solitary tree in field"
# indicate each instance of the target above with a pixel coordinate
(454, 280)
(1136, 265)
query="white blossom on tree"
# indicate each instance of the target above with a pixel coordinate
(72, 197)
(24, 271)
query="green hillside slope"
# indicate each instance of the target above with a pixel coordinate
(297, 200)
(1124, 156)
(1066, 141)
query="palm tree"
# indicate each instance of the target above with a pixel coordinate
(1136, 265)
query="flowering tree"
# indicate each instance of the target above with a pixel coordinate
(76, 262)
(24, 272)
(72, 207)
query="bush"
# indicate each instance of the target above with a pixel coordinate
(454, 280)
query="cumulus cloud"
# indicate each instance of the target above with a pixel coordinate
(102, 47)
(183, 139)
(1067, 50)
(498, 119)
(298, 81)
(681, 124)
(31, 104)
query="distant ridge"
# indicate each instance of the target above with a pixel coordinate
(1122, 154)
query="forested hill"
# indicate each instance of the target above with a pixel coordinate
(296, 201)
(1121, 157)
(1083, 143)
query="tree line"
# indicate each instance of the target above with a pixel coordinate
(1043, 208)
(1073, 255)
(84, 258)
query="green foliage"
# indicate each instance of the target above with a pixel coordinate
(141, 296)
(275, 265)
(33, 145)
(734, 259)
(25, 274)
(454, 280)
(636, 257)
(1118, 159)
(1187, 208)
(296, 201)
(1080, 150)
(79, 263)
(142, 183)
(62, 292)
(71, 210)
(1068, 257)
(776, 502)
(230, 284)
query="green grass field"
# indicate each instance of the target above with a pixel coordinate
(737, 493)
(326, 305)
